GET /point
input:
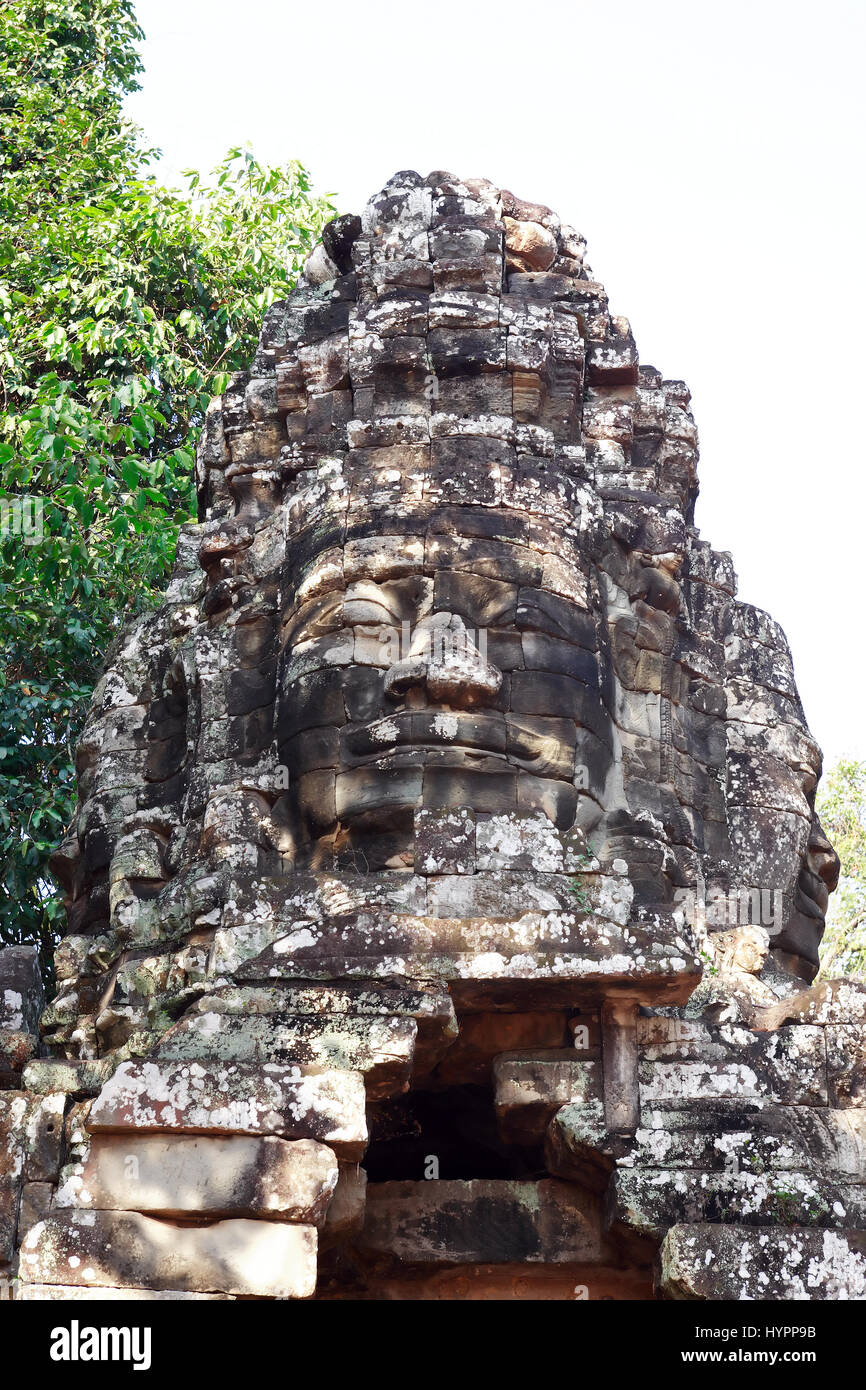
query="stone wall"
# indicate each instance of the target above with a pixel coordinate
(445, 889)
(744, 1178)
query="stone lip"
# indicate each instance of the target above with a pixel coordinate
(549, 956)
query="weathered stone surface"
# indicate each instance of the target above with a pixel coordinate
(37, 1199)
(445, 841)
(463, 1222)
(108, 1249)
(480, 953)
(721, 1134)
(787, 1066)
(76, 1293)
(21, 991)
(531, 1087)
(846, 1063)
(198, 1097)
(10, 1196)
(31, 1135)
(530, 246)
(649, 1200)
(47, 1076)
(830, 1001)
(517, 1282)
(431, 1009)
(619, 1057)
(448, 717)
(344, 1217)
(16, 1049)
(754, 1262)
(184, 1175)
(484, 1036)
(577, 1144)
(381, 1048)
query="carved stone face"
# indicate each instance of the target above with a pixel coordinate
(441, 669)
(773, 767)
(446, 561)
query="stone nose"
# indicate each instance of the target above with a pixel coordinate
(822, 858)
(448, 662)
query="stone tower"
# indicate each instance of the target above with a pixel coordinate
(445, 891)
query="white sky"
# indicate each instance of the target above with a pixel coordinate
(712, 154)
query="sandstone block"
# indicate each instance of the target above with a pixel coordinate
(517, 1282)
(445, 841)
(184, 1174)
(345, 1214)
(762, 1263)
(461, 1222)
(701, 1062)
(56, 1074)
(10, 1196)
(21, 993)
(382, 1048)
(831, 1001)
(531, 1087)
(31, 1133)
(491, 956)
(16, 1049)
(485, 1036)
(529, 245)
(578, 1146)
(750, 1135)
(715, 1135)
(36, 1199)
(112, 1249)
(649, 1200)
(201, 1097)
(846, 1063)
(70, 1293)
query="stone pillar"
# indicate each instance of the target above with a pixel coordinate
(619, 1064)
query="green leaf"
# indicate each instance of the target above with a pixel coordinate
(123, 306)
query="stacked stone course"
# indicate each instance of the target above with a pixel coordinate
(389, 970)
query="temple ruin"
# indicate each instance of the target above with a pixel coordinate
(445, 890)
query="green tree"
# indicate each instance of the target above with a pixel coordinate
(123, 305)
(841, 804)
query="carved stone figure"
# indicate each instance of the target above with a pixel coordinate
(447, 768)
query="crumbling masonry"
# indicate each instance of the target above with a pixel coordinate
(445, 890)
